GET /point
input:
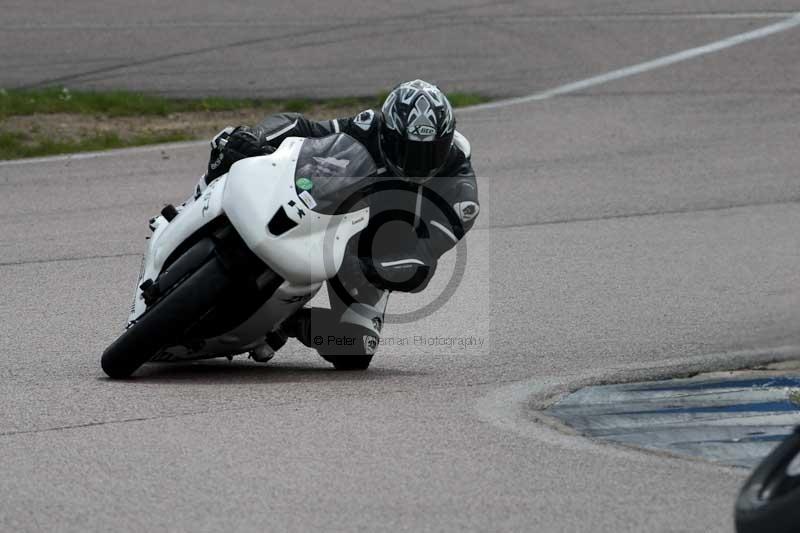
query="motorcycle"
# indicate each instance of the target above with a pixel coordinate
(221, 273)
(770, 498)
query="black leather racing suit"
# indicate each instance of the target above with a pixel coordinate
(411, 227)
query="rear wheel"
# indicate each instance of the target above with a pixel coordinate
(349, 362)
(167, 320)
(770, 498)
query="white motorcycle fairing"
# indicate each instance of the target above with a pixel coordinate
(277, 223)
(312, 250)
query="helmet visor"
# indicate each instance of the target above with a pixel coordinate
(416, 160)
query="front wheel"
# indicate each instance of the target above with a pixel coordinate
(770, 498)
(167, 321)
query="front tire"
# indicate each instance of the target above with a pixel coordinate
(770, 498)
(167, 320)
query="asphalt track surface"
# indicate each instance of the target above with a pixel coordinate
(641, 227)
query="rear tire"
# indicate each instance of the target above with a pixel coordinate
(770, 498)
(167, 320)
(349, 362)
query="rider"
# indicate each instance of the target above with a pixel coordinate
(430, 195)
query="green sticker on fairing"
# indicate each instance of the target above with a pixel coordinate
(304, 184)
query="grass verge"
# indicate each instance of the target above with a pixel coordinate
(18, 146)
(58, 120)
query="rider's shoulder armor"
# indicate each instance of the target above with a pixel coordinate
(462, 144)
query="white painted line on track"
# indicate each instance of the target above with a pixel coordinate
(644, 17)
(632, 70)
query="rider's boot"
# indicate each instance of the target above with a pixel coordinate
(356, 331)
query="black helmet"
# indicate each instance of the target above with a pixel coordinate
(417, 131)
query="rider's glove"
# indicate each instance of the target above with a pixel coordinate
(229, 146)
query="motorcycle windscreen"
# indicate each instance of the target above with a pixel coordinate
(332, 173)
